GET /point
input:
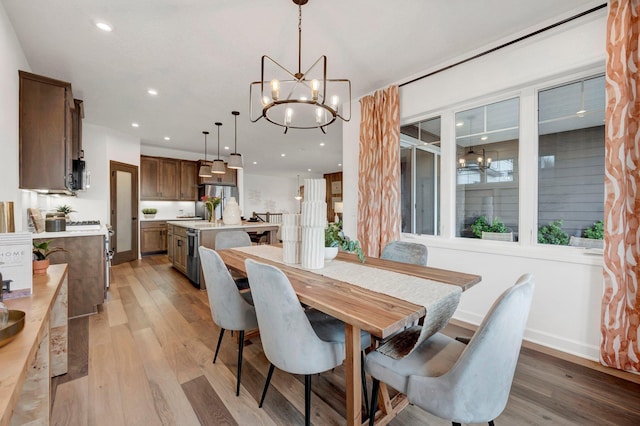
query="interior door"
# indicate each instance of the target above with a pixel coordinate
(124, 211)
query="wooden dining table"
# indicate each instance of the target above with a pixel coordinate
(360, 309)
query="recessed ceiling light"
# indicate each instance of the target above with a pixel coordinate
(321, 143)
(484, 138)
(135, 125)
(460, 124)
(255, 162)
(167, 138)
(226, 147)
(308, 170)
(152, 92)
(339, 164)
(104, 26)
(283, 155)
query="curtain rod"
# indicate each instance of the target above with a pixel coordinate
(509, 43)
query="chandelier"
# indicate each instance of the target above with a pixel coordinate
(300, 100)
(474, 160)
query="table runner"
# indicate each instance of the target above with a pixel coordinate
(439, 299)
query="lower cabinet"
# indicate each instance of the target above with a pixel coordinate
(86, 258)
(180, 249)
(153, 237)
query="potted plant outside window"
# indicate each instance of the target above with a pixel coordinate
(334, 239)
(41, 252)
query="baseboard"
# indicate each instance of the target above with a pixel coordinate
(626, 375)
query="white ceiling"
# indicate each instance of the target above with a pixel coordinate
(201, 55)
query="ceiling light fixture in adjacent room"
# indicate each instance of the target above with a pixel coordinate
(205, 168)
(104, 27)
(218, 165)
(235, 159)
(300, 100)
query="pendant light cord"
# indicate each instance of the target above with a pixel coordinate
(218, 124)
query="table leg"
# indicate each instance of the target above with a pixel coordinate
(354, 381)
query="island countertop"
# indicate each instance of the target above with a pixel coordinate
(204, 226)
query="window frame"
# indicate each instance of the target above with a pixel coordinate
(527, 244)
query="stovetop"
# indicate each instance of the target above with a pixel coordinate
(83, 225)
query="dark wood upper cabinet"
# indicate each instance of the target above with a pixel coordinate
(46, 107)
(229, 178)
(188, 181)
(167, 179)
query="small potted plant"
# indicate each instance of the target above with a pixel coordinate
(553, 234)
(41, 253)
(482, 225)
(149, 212)
(66, 209)
(335, 239)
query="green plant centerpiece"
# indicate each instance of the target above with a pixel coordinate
(149, 210)
(595, 231)
(482, 225)
(553, 234)
(334, 237)
(211, 203)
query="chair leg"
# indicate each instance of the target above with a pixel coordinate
(307, 400)
(266, 385)
(491, 423)
(240, 349)
(455, 424)
(218, 345)
(364, 385)
(375, 388)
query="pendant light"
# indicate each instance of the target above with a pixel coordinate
(218, 165)
(235, 159)
(205, 168)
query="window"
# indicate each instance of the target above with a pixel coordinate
(420, 176)
(571, 156)
(487, 140)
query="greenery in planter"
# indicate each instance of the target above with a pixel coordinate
(334, 237)
(42, 250)
(595, 231)
(149, 210)
(553, 234)
(482, 225)
(65, 208)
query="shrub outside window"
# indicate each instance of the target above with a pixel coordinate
(571, 162)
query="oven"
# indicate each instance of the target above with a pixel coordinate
(193, 259)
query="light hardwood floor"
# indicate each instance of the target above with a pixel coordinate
(145, 359)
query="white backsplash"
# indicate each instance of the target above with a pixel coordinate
(169, 209)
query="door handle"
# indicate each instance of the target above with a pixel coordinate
(134, 218)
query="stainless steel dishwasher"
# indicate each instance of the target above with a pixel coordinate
(193, 259)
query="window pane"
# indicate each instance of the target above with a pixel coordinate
(487, 141)
(420, 157)
(571, 157)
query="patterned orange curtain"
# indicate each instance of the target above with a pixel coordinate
(379, 171)
(619, 346)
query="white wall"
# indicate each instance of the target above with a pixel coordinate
(566, 308)
(12, 59)
(270, 194)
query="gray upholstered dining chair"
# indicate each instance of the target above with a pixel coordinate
(458, 382)
(294, 340)
(231, 239)
(406, 252)
(230, 309)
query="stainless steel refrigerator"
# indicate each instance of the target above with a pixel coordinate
(224, 192)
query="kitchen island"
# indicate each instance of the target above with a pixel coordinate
(184, 238)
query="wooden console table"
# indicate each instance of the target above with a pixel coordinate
(38, 353)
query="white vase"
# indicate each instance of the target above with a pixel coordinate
(231, 214)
